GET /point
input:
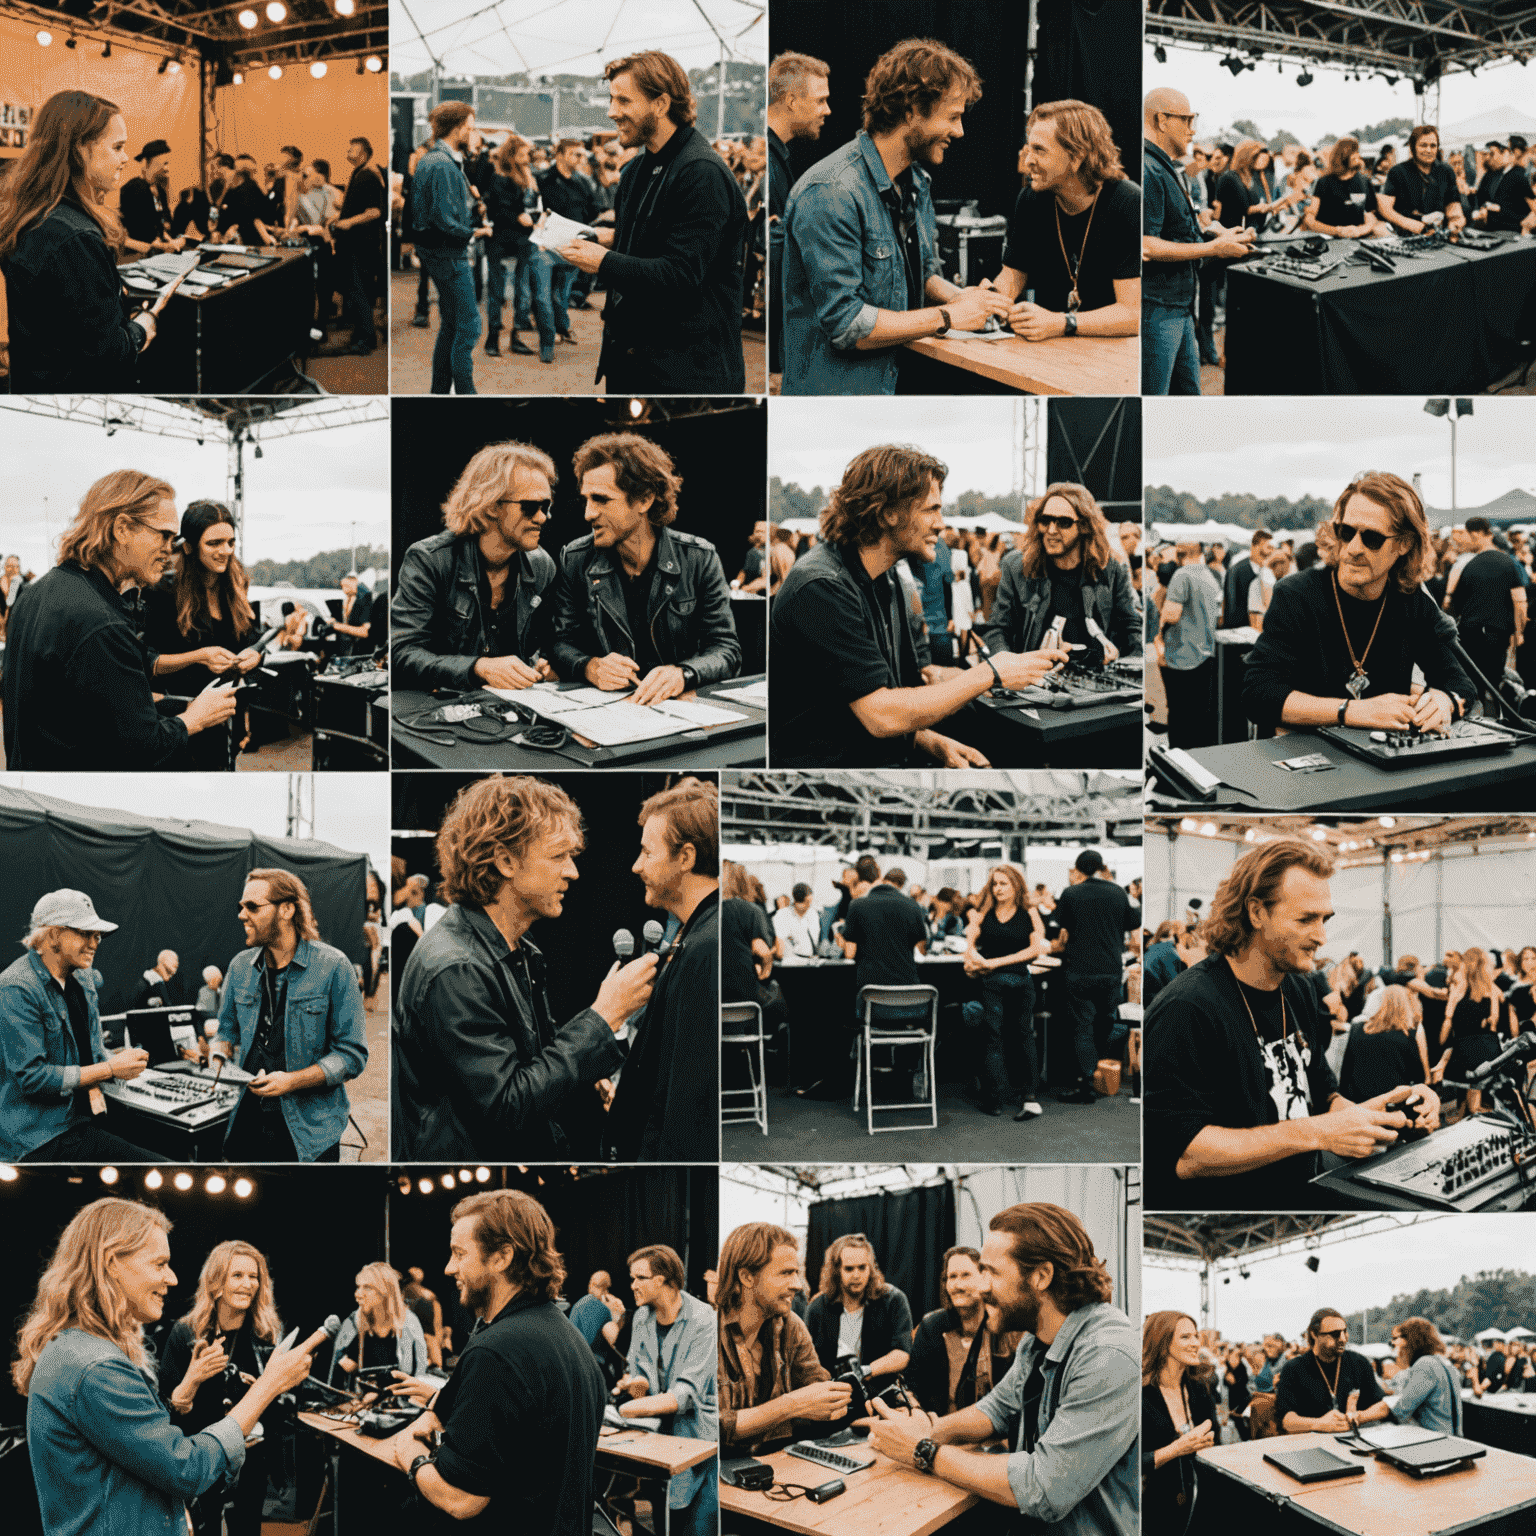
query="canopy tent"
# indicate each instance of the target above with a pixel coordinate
(1504, 511)
(1489, 1334)
(166, 884)
(1495, 123)
(1207, 532)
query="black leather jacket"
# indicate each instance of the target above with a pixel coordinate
(480, 1069)
(439, 630)
(690, 608)
(1022, 609)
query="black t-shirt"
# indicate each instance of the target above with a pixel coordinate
(1097, 915)
(637, 604)
(1434, 1007)
(1414, 194)
(1067, 603)
(1112, 249)
(1483, 588)
(741, 921)
(79, 1019)
(1205, 1066)
(1378, 1063)
(196, 210)
(905, 218)
(1307, 1386)
(1344, 203)
(365, 190)
(243, 204)
(885, 925)
(1008, 938)
(1236, 199)
(269, 1050)
(501, 622)
(369, 1350)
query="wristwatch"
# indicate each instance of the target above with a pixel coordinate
(1071, 320)
(690, 679)
(922, 1456)
(944, 316)
(417, 1465)
(1343, 709)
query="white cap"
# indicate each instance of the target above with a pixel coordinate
(69, 909)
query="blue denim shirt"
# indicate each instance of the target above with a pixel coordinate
(1429, 1395)
(1081, 1479)
(842, 264)
(440, 199)
(106, 1457)
(323, 1027)
(687, 1366)
(39, 1063)
(1167, 214)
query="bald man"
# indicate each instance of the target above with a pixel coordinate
(1171, 245)
(155, 986)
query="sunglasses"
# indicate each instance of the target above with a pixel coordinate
(1333, 1333)
(167, 536)
(1046, 520)
(253, 907)
(529, 508)
(1370, 537)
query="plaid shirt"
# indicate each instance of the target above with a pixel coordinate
(791, 1358)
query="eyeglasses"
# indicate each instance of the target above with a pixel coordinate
(1046, 520)
(529, 508)
(1333, 1333)
(1370, 537)
(255, 906)
(167, 536)
(1184, 117)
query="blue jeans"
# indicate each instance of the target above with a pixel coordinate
(562, 279)
(1170, 353)
(458, 322)
(531, 293)
(701, 1515)
(1007, 1008)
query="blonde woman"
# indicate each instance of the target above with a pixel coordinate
(211, 1354)
(1387, 1049)
(106, 1454)
(1473, 1010)
(383, 1331)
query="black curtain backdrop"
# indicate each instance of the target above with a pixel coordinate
(910, 1230)
(1090, 50)
(1097, 443)
(166, 884)
(722, 457)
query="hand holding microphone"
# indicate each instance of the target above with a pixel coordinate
(286, 1367)
(626, 989)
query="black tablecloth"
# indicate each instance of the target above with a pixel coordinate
(1507, 1421)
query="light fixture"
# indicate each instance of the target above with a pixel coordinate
(237, 78)
(153, 1179)
(373, 63)
(448, 1181)
(403, 1184)
(243, 1188)
(8, 1174)
(424, 1185)
(636, 408)
(1189, 824)
(1319, 834)
(1313, 1262)
(109, 1175)
(106, 52)
(44, 37)
(317, 70)
(275, 73)
(465, 1175)
(183, 1180)
(276, 10)
(215, 1184)
(174, 67)
(1208, 830)
(345, 7)
(482, 1175)
(1304, 78)
(1386, 821)
(69, 42)
(248, 19)
(1233, 63)
(1160, 54)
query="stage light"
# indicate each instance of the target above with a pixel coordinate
(448, 1181)
(1189, 824)
(403, 1183)
(69, 42)
(238, 78)
(183, 1181)
(1319, 834)
(636, 408)
(482, 1175)
(44, 37)
(215, 1184)
(174, 66)
(153, 1179)
(275, 73)
(1304, 78)
(1208, 830)
(359, 66)
(8, 1174)
(317, 70)
(1233, 63)
(373, 63)
(109, 1175)
(106, 52)
(243, 1189)
(345, 7)
(1160, 54)
(276, 10)
(1386, 821)
(424, 1185)
(248, 19)
(465, 1175)
(1313, 1262)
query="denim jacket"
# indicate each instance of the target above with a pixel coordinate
(41, 1066)
(439, 629)
(685, 1365)
(106, 1458)
(1081, 1478)
(442, 211)
(323, 1027)
(842, 264)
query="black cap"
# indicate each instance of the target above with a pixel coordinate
(152, 149)
(1088, 862)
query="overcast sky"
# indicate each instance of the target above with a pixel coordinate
(1282, 1293)
(570, 37)
(809, 445)
(1293, 447)
(1331, 106)
(351, 809)
(301, 497)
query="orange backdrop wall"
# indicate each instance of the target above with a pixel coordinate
(319, 116)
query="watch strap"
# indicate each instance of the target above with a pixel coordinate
(944, 316)
(416, 1466)
(997, 676)
(1343, 709)
(1071, 320)
(923, 1454)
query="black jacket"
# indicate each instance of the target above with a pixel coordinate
(668, 1105)
(76, 688)
(1162, 1507)
(70, 331)
(1021, 610)
(480, 1069)
(887, 1326)
(674, 274)
(440, 631)
(928, 1374)
(690, 608)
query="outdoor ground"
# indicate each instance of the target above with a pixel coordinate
(369, 1092)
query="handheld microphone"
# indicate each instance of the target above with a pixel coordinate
(327, 1330)
(653, 933)
(1519, 1049)
(624, 944)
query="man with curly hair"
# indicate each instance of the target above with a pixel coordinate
(846, 687)
(480, 1068)
(860, 268)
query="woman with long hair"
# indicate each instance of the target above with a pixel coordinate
(106, 1453)
(512, 209)
(956, 1359)
(1177, 1420)
(1243, 198)
(1474, 1010)
(224, 1341)
(382, 1332)
(199, 615)
(73, 327)
(1386, 1050)
(1004, 934)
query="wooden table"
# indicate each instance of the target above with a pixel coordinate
(1494, 1494)
(882, 1500)
(654, 1459)
(1077, 365)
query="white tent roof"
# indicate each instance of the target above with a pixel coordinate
(1207, 532)
(1490, 1333)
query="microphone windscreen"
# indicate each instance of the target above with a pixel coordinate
(653, 932)
(624, 944)
(332, 1326)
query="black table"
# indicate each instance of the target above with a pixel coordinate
(739, 744)
(1091, 736)
(1507, 1420)
(1360, 331)
(1253, 783)
(749, 612)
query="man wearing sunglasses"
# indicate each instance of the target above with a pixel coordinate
(76, 681)
(1315, 1391)
(1343, 640)
(472, 604)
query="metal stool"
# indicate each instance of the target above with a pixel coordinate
(906, 1032)
(748, 1019)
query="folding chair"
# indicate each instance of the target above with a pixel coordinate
(742, 1024)
(900, 1032)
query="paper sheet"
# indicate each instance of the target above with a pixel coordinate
(698, 713)
(1002, 334)
(557, 230)
(755, 694)
(615, 724)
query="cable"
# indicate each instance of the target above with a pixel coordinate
(785, 1493)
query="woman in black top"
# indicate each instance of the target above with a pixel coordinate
(1177, 1420)
(1004, 935)
(511, 209)
(1475, 1009)
(1235, 1375)
(199, 616)
(73, 327)
(1522, 996)
(247, 208)
(207, 1361)
(1386, 1050)
(1242, 195)
(1343, 201)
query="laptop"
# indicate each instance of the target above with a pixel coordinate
(1313, 1464)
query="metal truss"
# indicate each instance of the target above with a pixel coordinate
(194, 419)
(1359, 839)
(1230, 1239)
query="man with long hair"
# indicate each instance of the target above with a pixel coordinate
(1075, 234)
(639, 605)
(1420, 191)
(846, 688)
(471, 604)
(858, 1316)
(52, 1058)
(956, 1357)
(861, 269)
(1240, 1098)
(1341, 640)
(105, 1452)
(1331, 1389)
(1070, 1406)
(76, 684)
(519, 1417)
(1428, 1385)
(1065, 570)
(771, 1382)
(292, 1017)
(672, 261)
(480, 1066)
